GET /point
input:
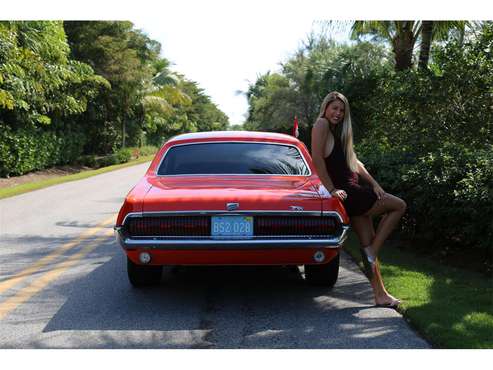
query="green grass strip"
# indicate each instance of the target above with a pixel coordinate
(450, 307)
(24, 188)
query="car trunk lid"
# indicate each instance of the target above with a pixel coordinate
(251, 193)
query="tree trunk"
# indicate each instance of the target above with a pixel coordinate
(123, 120)
(123, 131)
(403, 45)
(426, 36)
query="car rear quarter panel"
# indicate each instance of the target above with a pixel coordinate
(134, 201)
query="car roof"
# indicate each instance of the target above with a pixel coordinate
(238, 135)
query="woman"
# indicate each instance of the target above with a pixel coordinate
(339, 170)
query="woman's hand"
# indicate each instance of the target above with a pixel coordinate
(378, 191)
(339, 194)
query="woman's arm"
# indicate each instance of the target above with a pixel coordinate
(320, 132)
(363, 172)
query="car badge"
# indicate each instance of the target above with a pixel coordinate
(296, 208)
(232, 206)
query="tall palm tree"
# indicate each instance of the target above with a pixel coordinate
(401, 34)
(404, 34)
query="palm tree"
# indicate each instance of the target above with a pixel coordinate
(401, 34)
(164, 92)
(436, 30)
(404, 34)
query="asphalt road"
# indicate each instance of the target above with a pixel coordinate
(63, 284)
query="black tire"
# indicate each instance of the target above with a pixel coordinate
(141, 276)
(323, 275)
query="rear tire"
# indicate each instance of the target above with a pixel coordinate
(323, 275)
(140, 276)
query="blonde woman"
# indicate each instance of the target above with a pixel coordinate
(339, 170)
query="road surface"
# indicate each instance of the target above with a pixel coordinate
(63, 284)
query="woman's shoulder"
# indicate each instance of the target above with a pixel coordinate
(322, 125)
(321, 121)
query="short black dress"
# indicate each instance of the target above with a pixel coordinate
(359, 198)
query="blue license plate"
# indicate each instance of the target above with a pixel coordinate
(231, 226)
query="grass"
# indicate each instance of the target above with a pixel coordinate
(24, 188)
(448, 306)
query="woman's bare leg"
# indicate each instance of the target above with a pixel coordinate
(393, 208)
(363, 226)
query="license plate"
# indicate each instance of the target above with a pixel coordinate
(232, 226)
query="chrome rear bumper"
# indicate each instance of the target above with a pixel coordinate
(219, 243)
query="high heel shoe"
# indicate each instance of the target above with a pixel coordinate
(368, 261)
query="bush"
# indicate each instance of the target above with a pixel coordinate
(148, 150)
(429, 139)
(448, 191)
(29, 149)
(89, 160)
(123, 155)
(452, 197)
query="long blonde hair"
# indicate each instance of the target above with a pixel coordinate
(346, 132)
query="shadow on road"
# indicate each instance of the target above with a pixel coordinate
(225, 307)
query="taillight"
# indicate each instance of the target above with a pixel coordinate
(297, 225)
(169, 226)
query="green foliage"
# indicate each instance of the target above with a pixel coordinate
(124, 57)
(123, 155)
(319, 67)
(426, 136)
(103, 84)
(147, 150)
(94, 161)
(431, 143)
(452, 196)
(30, 149)
(449, 193)
(191, 111)
(39, 82)
(147, 102)
(236, 128)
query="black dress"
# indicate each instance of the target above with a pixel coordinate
(359, 199)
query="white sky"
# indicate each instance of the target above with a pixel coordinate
(223, 45)
(224, 54)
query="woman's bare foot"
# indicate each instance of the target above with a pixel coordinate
(387, 300)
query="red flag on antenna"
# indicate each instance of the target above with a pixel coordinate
(296, 132)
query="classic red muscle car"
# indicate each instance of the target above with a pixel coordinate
(231, 198)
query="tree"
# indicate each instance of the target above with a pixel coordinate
(125, 57)
(317, 68)
(401, 34)
(437, 31)
(38, 81)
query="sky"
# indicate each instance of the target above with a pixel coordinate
(224, 45)
(227, 54)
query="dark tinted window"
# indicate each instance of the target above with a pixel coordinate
(233, 158)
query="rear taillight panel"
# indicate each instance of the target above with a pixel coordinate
(264, 226)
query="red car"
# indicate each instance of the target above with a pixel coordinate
(231, 198)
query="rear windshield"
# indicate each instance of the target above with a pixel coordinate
(234, 159)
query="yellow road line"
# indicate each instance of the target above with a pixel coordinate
(24, 294)
(20, 276)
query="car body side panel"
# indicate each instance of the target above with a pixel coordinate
(134, 201)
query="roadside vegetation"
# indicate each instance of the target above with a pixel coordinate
(85, 91)
(422, 114)
(93, 165)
